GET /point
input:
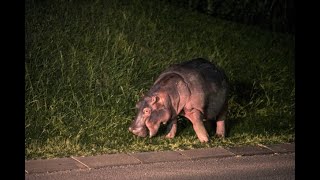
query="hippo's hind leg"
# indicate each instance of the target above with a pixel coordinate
(172, 128)
(221, 118)
(196, 117)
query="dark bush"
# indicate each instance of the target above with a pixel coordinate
(275, 15)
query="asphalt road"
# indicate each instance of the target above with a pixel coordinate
(272, 166)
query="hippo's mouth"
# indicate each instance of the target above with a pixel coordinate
(153, 129)
(152, 133)
(141, 132)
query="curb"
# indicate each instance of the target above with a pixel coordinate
(110, 160)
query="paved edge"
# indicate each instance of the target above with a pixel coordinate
(122, 159)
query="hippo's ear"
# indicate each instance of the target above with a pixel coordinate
(154, 99)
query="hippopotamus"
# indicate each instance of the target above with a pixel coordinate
(196, 89)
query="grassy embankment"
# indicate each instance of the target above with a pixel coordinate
(87, 64)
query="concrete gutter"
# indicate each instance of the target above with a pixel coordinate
(124, 159)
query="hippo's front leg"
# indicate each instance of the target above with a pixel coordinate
(196, 117)
(172, 128)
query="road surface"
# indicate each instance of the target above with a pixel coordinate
(271, 166)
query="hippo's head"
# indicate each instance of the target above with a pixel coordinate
(151, 113)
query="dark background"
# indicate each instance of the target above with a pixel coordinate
(274, 15)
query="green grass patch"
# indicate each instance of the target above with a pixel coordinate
(88, 62)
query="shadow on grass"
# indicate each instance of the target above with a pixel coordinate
(240, 93)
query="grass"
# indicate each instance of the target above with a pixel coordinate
(88, 62)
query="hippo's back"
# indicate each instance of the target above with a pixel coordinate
(207, 84)
(198, 72)
(209, 71)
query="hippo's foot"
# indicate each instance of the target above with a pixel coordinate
(201, 132)
(219, 136)
(172, 128)
(203, 139)
(170, 135)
